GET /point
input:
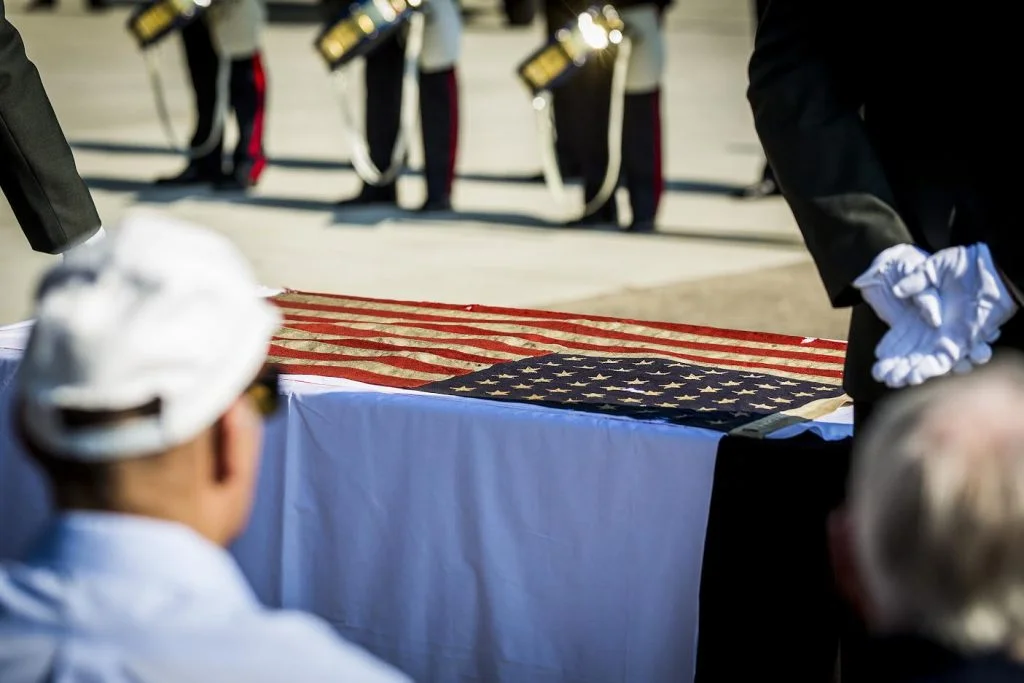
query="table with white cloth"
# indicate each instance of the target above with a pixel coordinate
(466, 532)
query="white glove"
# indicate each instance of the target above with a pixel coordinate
(877, 282)
(912, 351)
(97, 236)
(960, 292)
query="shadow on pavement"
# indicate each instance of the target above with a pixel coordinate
(517, 220)
(299, 163)
(145, 192)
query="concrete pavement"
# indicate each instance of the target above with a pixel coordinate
(499, 250)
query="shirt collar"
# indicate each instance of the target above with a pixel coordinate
(141, 548)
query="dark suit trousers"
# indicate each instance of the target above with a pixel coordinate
(439, 118)
(37, 169)
(247, 94)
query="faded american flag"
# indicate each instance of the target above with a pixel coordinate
(698, 376)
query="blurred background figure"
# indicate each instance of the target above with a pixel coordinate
(226, 68)
(929, 546)
(766, 186)
(141, 396)
(582, 109)
(438, 105)
(38, 175)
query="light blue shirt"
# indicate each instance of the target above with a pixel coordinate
(116, 599)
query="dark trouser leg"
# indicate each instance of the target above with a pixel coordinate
(641, 156)
(556, 14)
(383, 116)
(588, 96)
(439, 118)
(568, 165)
(203, 68)
(249, 99)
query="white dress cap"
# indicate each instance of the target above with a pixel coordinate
(161, 312)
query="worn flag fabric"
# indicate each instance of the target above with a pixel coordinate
(724, 380)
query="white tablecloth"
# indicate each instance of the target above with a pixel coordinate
(462, 539)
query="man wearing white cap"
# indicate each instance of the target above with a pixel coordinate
(140, 395)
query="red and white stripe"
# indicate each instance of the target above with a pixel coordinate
(411, 344)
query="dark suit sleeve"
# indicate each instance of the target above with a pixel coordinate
(37, 170)
(806, 107)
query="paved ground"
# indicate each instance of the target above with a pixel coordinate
(717, 261)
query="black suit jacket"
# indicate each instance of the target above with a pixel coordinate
(37, 170)
(890, 122)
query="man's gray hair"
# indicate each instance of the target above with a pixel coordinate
(937, 504)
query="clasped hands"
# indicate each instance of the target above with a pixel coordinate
(944, 311)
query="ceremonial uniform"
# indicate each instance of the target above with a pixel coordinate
(582, 108)
(438, 104)
(889, 124)
(231, 30)
(37, 169)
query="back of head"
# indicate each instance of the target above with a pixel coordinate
(140, 344)
(937, 506)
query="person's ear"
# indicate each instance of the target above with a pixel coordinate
(233, 440)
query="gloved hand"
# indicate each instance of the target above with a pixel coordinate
(961, 294)
(877, 282)
(911, 351)
(97, 236)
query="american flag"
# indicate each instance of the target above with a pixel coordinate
(698, 376)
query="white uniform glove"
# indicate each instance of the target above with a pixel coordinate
(961, 293)
(97, 236)
(877, 282)
(911, 351)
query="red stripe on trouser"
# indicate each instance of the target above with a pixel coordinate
(453, 132)
(256, 141)
(659, 178)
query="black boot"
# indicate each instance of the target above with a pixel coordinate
(248, 98)
(203, 67)
(198, 172)
(439, 120)
(383, 75)
(372, 195)
(641, 157)
(606, 215)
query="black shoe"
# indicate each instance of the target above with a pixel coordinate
(192, 175)
(759, 190)
(41, 6)
(593, 221)
(371, 195)
(606, 215)
(641, 226)
(233, 183)
(239, 180)
(441, 205)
